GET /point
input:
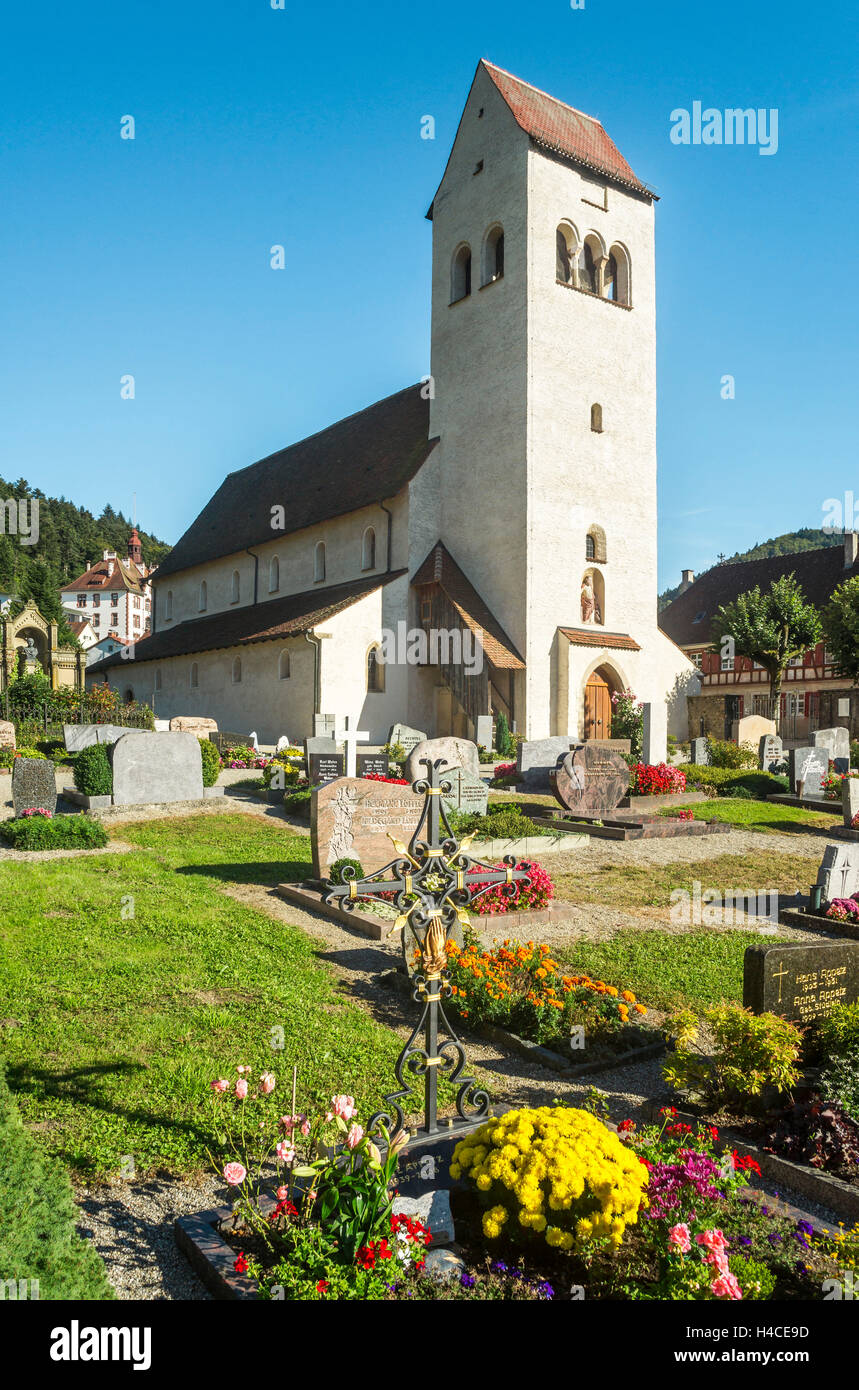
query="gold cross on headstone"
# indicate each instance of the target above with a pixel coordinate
(779, 975)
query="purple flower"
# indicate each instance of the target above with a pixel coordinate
(467, 1281)
(745, 1240)
(545, 1290)
(499, 1267)
(773, 1237)
(805, 1227)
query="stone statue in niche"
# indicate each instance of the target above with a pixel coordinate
(590, 607)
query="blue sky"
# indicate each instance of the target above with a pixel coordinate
(301, 127)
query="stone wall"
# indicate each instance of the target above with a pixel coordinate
(710, 708)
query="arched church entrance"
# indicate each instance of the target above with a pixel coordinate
(599, 687)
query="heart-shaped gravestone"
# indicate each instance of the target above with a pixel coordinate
(591, 780)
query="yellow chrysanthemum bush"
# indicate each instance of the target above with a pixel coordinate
(553, 1173)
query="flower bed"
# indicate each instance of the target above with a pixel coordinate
(658, 779)
(38, 830)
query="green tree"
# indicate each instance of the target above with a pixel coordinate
(841, 623)
(770, 628)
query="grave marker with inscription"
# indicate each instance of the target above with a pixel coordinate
(352, 819)
(770, 753)
(407, 738)
(34, 785)
(838, 875)
(377, 764)
(801, 982)
(700, 752)
(591, 781)
(808, 769)
(836, 743)
(468, 793)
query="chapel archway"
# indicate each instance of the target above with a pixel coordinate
(600, 685)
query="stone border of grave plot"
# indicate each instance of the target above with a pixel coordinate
(646, 828)
(808, 803)
(106, 803)
(378, 928)
(644, 803)
(823, 1188)
(812, 921)
(396, 978)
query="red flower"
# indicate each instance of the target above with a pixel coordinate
(322, 1287)
(625, 1126)
(241, 1264)
(745, 1165)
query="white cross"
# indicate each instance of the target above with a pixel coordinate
(351, 737)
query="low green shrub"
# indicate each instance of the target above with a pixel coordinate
(503, 821)
(750, 1053)
(335, 872)
(297, 803)
(723, 780)
(211, 762)
(93, 773)
(53, 832)
(38, 1240)
(8, 755)
(723, 753)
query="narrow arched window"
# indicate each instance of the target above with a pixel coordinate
(274, 575)
(460, 275)
(618, 275)
(368, 549)
(565, 255)
(493, 255)
(596, 418)
(595, 544)
(204, 597)
(609, 282)
(195, 676)
(590, 548)
(319, 561)
(375, 672)
(587, 269)
(168, 605)
(283, 666)
(237, 670)
(235, 593)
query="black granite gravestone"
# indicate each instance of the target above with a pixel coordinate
(34, 785)
(325, 767)
(377, 763)
(801, 982)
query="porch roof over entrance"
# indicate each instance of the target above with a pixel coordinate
(593, 637)
(440, 568)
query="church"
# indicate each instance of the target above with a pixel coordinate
(504, 507)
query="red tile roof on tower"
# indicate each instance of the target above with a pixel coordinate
(108, 574)
(556, 126)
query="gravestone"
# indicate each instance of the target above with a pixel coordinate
(770, 753)
(591, 781)
(324, 725)
(468, 793)
(223, 740)
(457, 752)
(801, 982)
(407, 738)
(150, 767)
(807, 768)
(850, 799)
(325, 762)
(198, 724)
(7, 733)
(376, 763)
(837, 745)
(537, 757)
(78, 736)
(751, 729)
(700, 752)
(34, 785)
(484, 731)
(282, 744)
(838, 875)
(351, 818)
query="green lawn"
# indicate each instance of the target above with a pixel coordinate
(769, 817)
(667, 970)
(651, 885)
(128, 981)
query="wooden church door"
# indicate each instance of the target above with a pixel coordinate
(597, 708)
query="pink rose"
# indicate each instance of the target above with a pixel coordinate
(344, 1107)
(305, 1127)
(285, 1151)
(679, 1238)
(235, 1174)
(354, 1137)
(714, 1240)
(220, 1085)
(241, 1088)
(726, 1286)
(282, 1194)
(266, 1083)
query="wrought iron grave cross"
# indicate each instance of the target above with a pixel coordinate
(433, 880)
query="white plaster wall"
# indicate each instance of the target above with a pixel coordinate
(479, 358)
(260, 702)
(658, 674)
(346, 640)
(343, 538)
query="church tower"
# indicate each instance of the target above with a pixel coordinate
(543, 372)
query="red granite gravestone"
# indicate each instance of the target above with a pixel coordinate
(590, 781)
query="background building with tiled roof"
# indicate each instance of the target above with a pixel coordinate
(814, 694)
(112, 595)
(512, 493)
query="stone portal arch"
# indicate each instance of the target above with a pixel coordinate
(601, 681)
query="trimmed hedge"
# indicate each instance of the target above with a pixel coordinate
(38, 1239)
(93, 773)
(726, 780)
(57, 832)
(211, 762)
